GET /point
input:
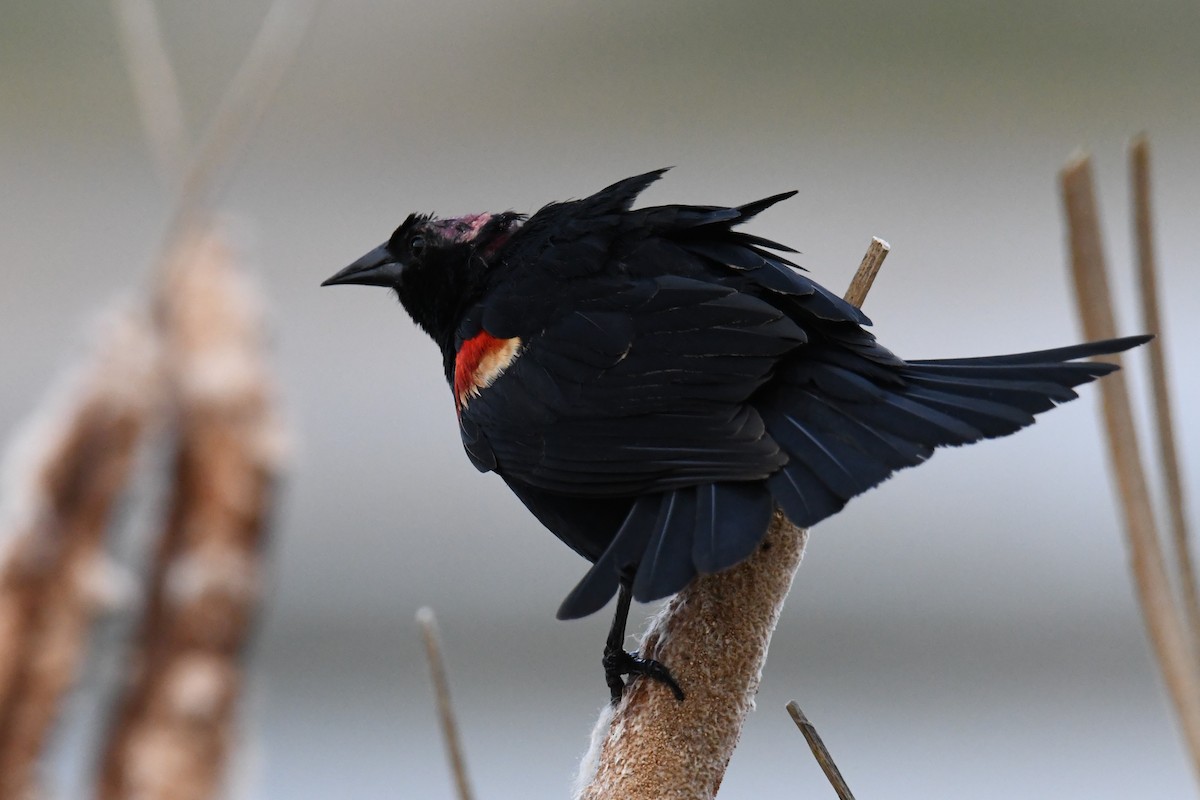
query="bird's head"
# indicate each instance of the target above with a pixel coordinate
(436, 266)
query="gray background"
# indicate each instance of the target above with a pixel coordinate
(966, 630)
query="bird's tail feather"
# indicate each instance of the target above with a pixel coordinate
(670, 537)
(845, 434)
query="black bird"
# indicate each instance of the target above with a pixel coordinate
(651, 383)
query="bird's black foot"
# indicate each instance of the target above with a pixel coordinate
(618, 662)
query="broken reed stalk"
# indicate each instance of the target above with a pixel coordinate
(714, 636)
(868, 268)
(820, 752)
(1139, 168)
(74, 464)
(1162, 617)
(441, 691)
(172, 728)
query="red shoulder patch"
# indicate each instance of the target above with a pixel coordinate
(479, 362)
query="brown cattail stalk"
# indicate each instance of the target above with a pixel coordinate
(172, 729)
(74, 467)
(1143, 225)
(1164, 621)
(714, 636)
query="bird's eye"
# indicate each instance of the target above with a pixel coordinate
(416, 246)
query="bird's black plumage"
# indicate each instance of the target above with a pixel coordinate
(651, 383)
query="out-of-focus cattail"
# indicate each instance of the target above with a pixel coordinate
(172, 729)
(64, 477)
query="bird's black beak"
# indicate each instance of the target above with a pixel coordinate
(377, 268)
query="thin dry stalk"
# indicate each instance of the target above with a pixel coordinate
(154, 86)
(1162, 616)
(75, 465)
(1139, 168)
(172, 728)
(714, 635)
(820, 752)
(441, 689)
(241, 108)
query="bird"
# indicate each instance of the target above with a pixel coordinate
(652, 384)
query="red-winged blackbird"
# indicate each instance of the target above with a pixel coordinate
(652, 383)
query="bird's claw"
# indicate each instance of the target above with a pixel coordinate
(618, 662)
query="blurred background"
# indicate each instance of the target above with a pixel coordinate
(969, 628)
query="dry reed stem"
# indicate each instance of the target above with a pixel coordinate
(714, 636)
(240, 109)
(441, 691)
(75, 462)
(154, 85)
(1160, 613)
(171, 731)
(820, 752)
(1139, 167)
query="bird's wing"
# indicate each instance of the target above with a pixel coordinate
(640, 388)
(628, 346)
